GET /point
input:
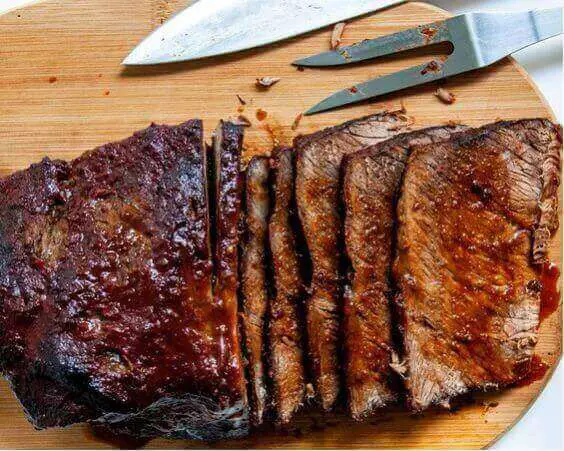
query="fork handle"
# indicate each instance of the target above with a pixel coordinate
(498, 35)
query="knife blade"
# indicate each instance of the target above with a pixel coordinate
(216, 27)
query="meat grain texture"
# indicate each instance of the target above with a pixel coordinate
(372, 179)
(254, 281)
(286, 309)
(106, 306)
(319, 158)
(475, 218)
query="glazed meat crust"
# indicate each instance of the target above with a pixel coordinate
(105, 284)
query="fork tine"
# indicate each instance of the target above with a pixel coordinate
(412, 38)
(413, 76)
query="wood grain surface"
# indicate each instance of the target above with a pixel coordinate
(63, 91)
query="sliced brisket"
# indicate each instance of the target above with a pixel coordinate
(106, 307)
(227, 147)
(254, 280)
(475, 216)
(371, 181)
(317, 195)
(286, 308)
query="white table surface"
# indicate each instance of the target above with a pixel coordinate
(542, 427)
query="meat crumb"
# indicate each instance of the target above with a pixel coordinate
(337, 34)
(445, 96)
(266, 82)
(297, 120)
(433, 66)
(429, 33)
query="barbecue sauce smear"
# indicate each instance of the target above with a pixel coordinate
(537, 370)
(550, 298)
(550, 295)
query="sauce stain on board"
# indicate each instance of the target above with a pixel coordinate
(537, 370)
(550, 295)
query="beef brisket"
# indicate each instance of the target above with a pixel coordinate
(371, 181)
(254, 280)
(286, 308)
(119, 273)
(319, 159)
(475, 216)
(106, 307)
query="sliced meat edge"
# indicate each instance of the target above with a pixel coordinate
(254, 281)
(372, 178)
(287, 323)
(318, 172)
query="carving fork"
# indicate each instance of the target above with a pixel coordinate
(479, 40)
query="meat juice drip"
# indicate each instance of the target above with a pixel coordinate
(537, 370)
(550, 295)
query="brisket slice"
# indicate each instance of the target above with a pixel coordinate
(319, 159)
(286, 309)
(227, 146)
(106, 308)
(254, 280)
(475, 215)
(371, 181)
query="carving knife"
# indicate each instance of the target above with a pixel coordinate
(216, 27)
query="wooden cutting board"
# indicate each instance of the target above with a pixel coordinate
(63, 91)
